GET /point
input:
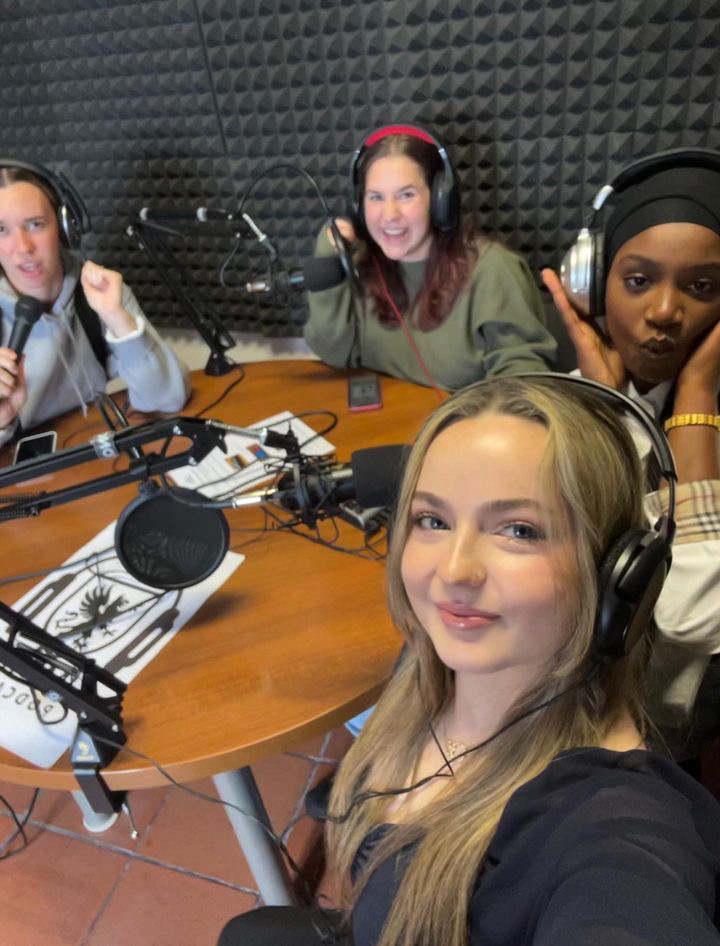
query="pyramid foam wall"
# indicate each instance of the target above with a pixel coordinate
(177, 104)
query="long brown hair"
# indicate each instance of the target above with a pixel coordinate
(592, 473)
(451, 255)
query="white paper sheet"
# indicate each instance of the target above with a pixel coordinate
(247, 464)
(100, 610)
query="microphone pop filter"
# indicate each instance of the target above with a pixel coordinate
(169, 544)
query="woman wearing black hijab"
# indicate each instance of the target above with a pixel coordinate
(659, 342)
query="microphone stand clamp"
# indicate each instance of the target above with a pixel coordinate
(52, 667)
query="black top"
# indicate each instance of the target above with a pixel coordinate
(602, 849)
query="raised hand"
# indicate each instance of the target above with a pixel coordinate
(700, 375)
(596, 359)
(346, 229)
(103, 291)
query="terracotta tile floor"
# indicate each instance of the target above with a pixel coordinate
(176, 884)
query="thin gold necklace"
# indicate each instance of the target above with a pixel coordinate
(453, 747)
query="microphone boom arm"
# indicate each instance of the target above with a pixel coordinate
(31, 664)
(52, 667)
(204, 434)
(207, 323)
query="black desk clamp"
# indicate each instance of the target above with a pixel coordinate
(47, 664)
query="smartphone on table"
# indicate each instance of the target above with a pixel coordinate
(35, 445)
(364, 393)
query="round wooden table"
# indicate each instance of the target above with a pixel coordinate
(294, 643)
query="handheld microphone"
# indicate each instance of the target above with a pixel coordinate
(27, 311)
(316, 274)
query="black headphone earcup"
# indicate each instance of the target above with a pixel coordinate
(69, 227)
(444, 201)
(630, 579)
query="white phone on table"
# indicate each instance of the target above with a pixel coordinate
(35, 445)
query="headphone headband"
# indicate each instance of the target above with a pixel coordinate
(445, 191)
(582, 271)
(413, 131)
(617, 400)
(655, 163)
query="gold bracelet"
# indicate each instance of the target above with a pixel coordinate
(690, 420)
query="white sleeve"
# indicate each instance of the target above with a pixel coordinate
(687, 614)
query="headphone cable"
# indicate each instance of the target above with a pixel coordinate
(447, 763)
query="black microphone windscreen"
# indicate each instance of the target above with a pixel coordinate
(30, 308)
(27, 311)
(166, 543)
(377, 473)
(322, 272)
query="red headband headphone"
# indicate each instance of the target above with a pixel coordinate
(444, 188)
(411, 130)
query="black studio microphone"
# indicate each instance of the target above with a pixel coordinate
(148, 215)
(372, 479)
(27, 311)
(317, 273)
(207, 214)
(175, 538)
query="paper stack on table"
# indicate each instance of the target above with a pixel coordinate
(247, 464)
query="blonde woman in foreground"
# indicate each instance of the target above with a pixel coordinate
(505, 791)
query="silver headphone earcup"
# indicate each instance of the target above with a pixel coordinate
(576, 271)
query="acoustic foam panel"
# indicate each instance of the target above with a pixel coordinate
(176, 104)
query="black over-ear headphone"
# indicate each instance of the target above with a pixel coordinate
(72, 214)
(582, 271)
(444, 189)
(633, 569)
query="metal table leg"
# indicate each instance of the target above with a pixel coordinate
(92, 821)
(262, 854)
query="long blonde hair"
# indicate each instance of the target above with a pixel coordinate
(592, 470)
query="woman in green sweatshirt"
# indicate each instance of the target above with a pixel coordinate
(439, 305)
